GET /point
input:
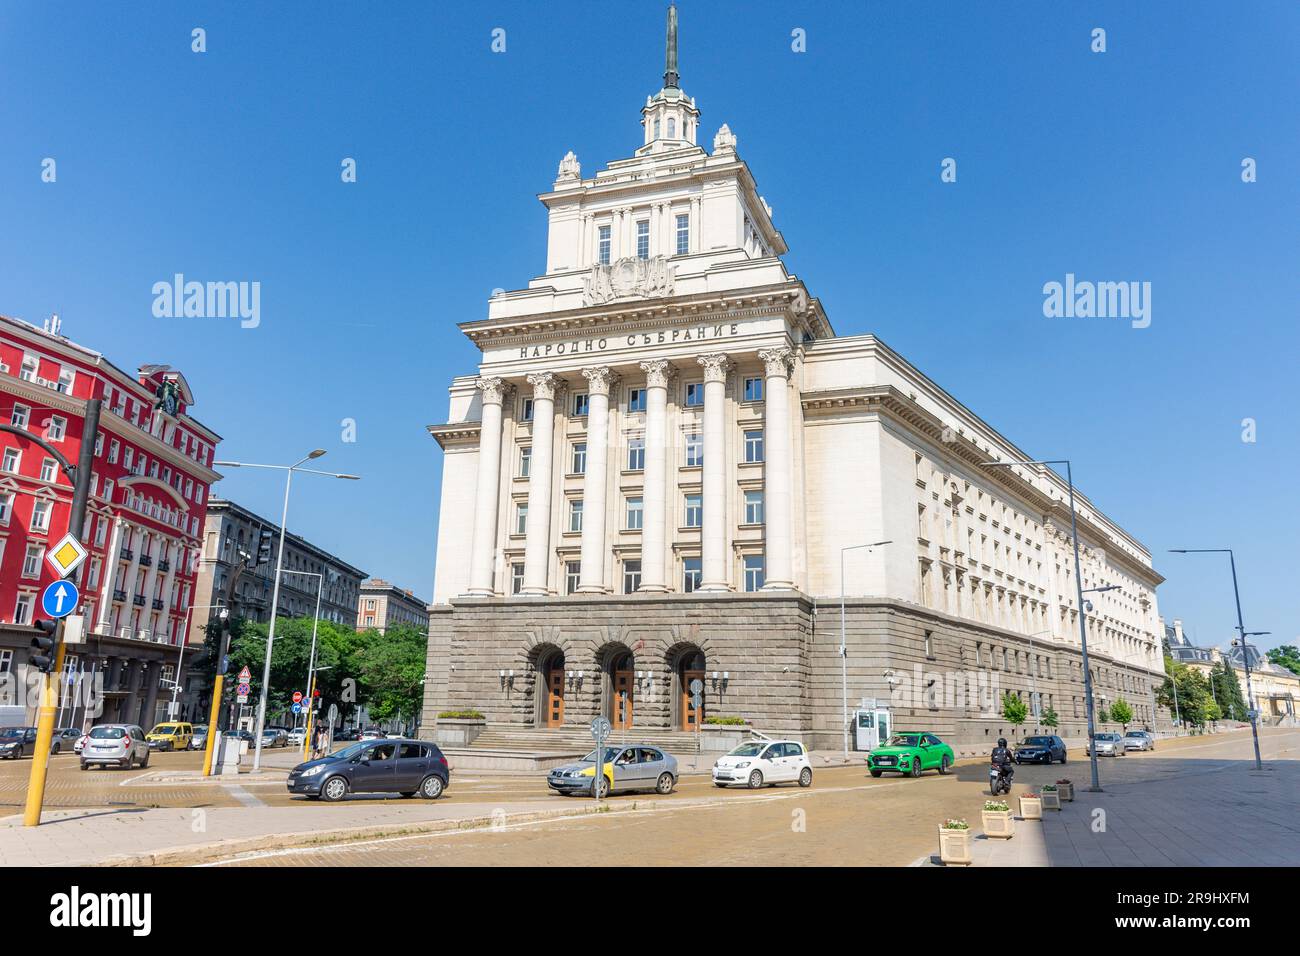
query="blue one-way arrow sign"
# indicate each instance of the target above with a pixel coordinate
(60, 599)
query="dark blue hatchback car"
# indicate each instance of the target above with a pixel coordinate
(401, 766)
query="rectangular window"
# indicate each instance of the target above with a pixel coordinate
(581, 402)
(93, 581)
(23, 609)
(643, 239)
(755, 574)
(636, 399)
(636, 454)
(694, 450)
(526, 410)
(692, 572)
(579, 458)
(41, 516)
(694, 511)
(28, 371)
(525, 460)
(113, 448)
(66, 377)
(631, 576)
(11, 459)
(754, 445)
(58, 427)
(753, 507)
(32, 561)
(21, 416)
(128, 456)
(6, 507)
(683, 234)
(572, 576)
(634, 513)
(521, 518)
(694, 394)
(99, 444)
(602, 246)
(48, 467)
(516, 578)
(575, 514)
(753, 389)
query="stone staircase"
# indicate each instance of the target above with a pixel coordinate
(576, 740)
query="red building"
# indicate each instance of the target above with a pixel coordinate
(144, 521)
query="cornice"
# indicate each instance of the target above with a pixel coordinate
(455, 433)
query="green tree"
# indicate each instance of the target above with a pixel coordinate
(1014, 709)
(1288, 656)
(1226, 691)
(1102, 715)
(1186, 693)
(1121, 713)
(390, 670)
(1050, 718)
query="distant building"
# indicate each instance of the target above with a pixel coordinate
(1181, 649)
(383, 604)
(1274, 691)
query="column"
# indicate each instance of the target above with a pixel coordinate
(715, 568)
(132, 570)
(777, 480)
(164, 621)
(537, 542)
(112, 557)
(152, 674)
(595, 482)
(654, 542)
(483, 548)
(150, 578)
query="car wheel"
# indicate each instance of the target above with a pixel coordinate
(665, 785)
(84, 765)
(431, 788)
(1062, 758)
(805, 777)
(943, 764)
(54, 748)
(145, 762)
(602, 787)
(876, 773)
(755, 780)
(721, 786)
(916, 766)
(334, 789)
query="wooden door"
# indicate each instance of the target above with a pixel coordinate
(621, 719)
(555, 697)
(690, 719)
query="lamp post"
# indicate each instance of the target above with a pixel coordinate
(844, 648)
(1241, 630)
(1078, 585)
(279, 566)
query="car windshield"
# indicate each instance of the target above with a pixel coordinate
(1135, 733)
(1036, 742)
(610, 754)
(108, 733)
(201, 729)
(11, 731)
(750, 749)
(165, 729)
(1108, 736)
(904, 740)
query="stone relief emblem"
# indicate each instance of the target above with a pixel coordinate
(632, 278)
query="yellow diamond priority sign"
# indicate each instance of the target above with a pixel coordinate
(66, 555)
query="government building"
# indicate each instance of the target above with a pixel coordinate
(667, 467)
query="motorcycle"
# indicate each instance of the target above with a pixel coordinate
(999, 780)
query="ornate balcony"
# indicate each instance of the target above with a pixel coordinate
(164, 565)
(128, 553)
(119, 594)
(138, 600)
(146, 561)
(157, 604)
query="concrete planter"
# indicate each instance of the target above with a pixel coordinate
(1031, 808)
(458, 731)
(720, 738)
(998, 824)
(1066, 790)
(954, 847)
(1051, 800)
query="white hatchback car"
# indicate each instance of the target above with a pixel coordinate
(757, 763)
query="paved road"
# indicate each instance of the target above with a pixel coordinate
(847, 818)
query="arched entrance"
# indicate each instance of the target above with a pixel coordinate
(688, 665)
(550, 688)
(622, 675)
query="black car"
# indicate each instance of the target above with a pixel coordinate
(1040, 750)
(400, 766)
(18, 742)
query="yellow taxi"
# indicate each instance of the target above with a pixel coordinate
(170, 736)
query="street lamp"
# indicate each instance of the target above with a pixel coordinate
(279, 566)
(1078, 585)
(844, 649)
(1241, 629)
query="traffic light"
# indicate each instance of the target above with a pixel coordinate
(264, 546)
(43, 646)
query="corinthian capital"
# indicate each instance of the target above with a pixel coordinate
(657, 372)
(494, 389)
(599, 378)
(545, 385)
(776, 361)
(715, 366)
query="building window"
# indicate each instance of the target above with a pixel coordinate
(579, 458)
(20, 416)
(93, 580)
(521, 518)
(754, 446)
(58, 426)
(6, 662)
(28, 371)
(516, 577)
(48, 467)
(23, 608)
(672, 127)
(575, 514)
(12, 457)
(41, 516)
(694, 394)
(128, 456)
(6, 506)
(692, 572)
(753, 507)
(929, 645)
(113, 448)
(602, 246)
(32, 561)
(572, 576)
(694, 450)
(525, 460)
(694, 511)
(754, 572)
(631, 576)
(636, 454)
(753, 389)
(634, 512)
(526, 410)
(643, 239)
(636, 399)
(683, 234)
(65, 381)
(581, 402)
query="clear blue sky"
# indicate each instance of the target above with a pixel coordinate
(1116, 166)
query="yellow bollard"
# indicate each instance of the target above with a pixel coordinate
(44, 737)
(212, 726)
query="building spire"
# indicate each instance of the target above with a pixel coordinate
(670, 55)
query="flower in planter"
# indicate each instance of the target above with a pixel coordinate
(1060, 782)
(1049, 788)
(955, 825)
(996, 806)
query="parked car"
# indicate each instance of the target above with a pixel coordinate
(1139, 740)
(372, 733)
(120, 744)
(758, 763)
(624, 769)
(297, 736)
(1108, 745)
(1047, 749)
(199, 739)
(244, 735)
(275, 737)
(15, 742)
(80, 745)
(911, 752)
(407, 767)
(170, 736)
(67, 738)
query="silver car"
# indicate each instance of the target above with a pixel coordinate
(628, 768)
(1139, 740)
(1108, 745)
(121, 745)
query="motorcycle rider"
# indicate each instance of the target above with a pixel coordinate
(1002, 759)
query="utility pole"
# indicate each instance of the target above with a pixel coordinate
(223, 649)
(51, 686)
